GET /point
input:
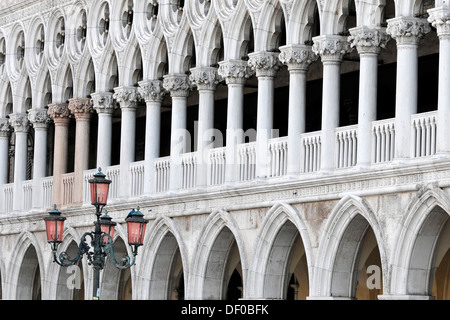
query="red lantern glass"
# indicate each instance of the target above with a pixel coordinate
(99, 189)
(54, 225)
(107, 226)
(136, 225)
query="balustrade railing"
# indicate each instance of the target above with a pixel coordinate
(162, 174)
(311, 151)
(383, 140)
(137, 178)
(423, 144)
(47, 192)
(8, 197)
(346, 146)
(188, 170)
(216, 166)
(278, 149)
(246, 161)
(423, 134)
(68, 180)
(27, 195)
(113, 173)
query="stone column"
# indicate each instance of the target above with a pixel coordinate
(298, 59)
(331, 49)
(128, 98)
(39, 119)
(82, 109)
(105, 106)
(235, 73)
(153, 93)
(440, 19)
(5, 131)
(20, 123)
(61, 117)
(179, 87)
(368, 43)
(407, 31)
(266, 66)
(206, 80)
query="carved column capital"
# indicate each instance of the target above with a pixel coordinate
(177, 84)
(81, 108)
(59, 112)
(297, 57)
(407, 30)
(367, 40)
(440, 19)
(127, 97)
(103, 102)
(39, 118)
(205, 78)
(265, 64)
(331, 48)
(235, 71)
(19, 121)
(152, 90)
(5, 128)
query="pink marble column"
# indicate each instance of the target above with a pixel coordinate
(82, 109)
(61, 117)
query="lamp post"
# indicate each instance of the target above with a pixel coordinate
(101, 244)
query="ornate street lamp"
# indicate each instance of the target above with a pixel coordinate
(101, 238)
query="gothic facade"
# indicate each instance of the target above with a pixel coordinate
(281, 149)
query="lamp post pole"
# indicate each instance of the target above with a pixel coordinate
(101, 237)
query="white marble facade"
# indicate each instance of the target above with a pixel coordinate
(355, 209)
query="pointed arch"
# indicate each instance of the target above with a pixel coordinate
(344, 231)
(114, 281)
(162, 244)
(269, 27)
(24, 266)
(131, 68)
(212, 255)
(413, 257)
(84, 77)
(304, 21)
(57, 275)
(5, 97)
(280, 229)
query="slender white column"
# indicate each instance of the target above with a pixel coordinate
(266, 66)
(440, 19)
(331, 49)
(368, 43)
(179, 87)
(61, 117)
(298, 59)
(127, 97)
(82, 109)
(235, 73)
(105, 107)
(153, 93)
(40, 120)
(407, 31)
(20, 123)
(5, 131)
(206, 80)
